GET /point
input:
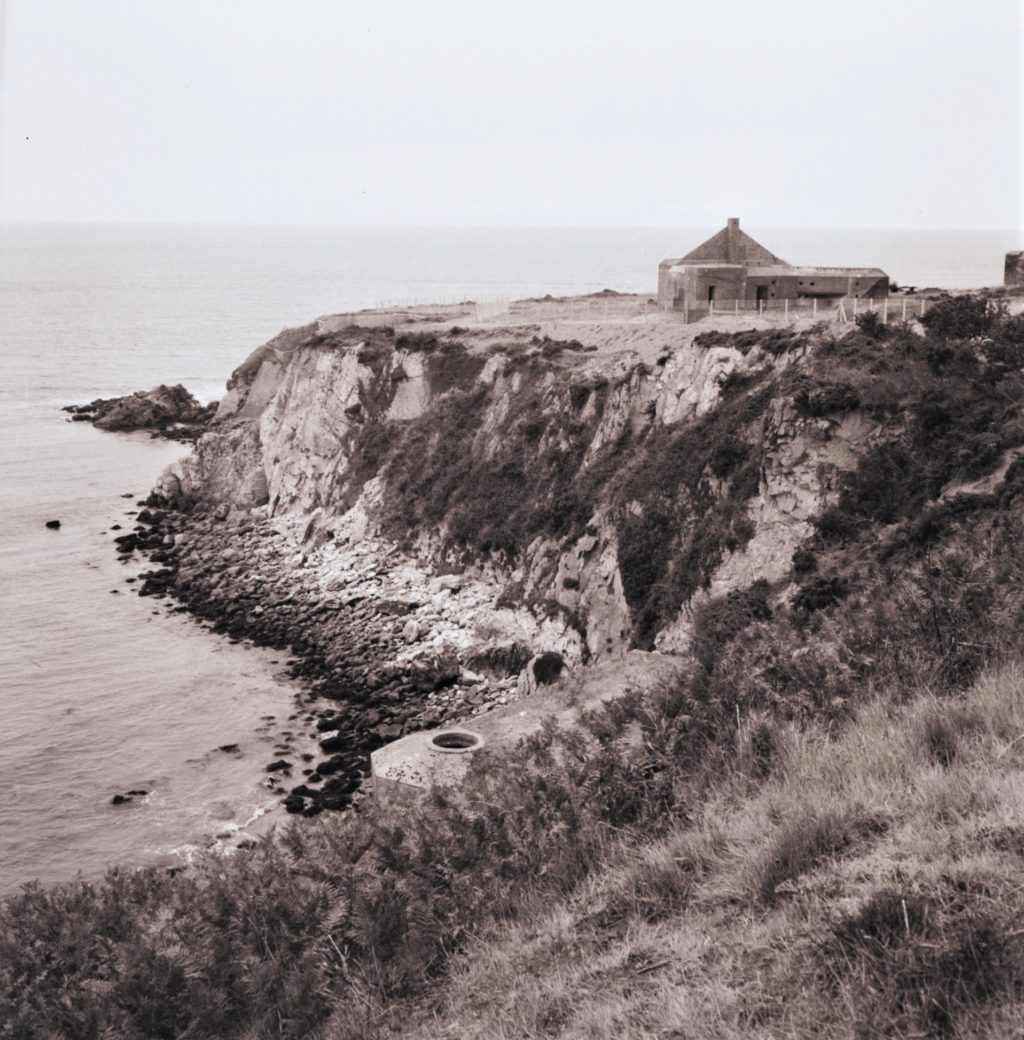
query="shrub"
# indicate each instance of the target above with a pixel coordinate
(820, 593)
(959, 317)
(804, 561)
(826, 400)
(718, 622)
(872, 325)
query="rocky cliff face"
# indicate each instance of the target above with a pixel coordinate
(609, 493)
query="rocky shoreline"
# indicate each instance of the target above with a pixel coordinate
(383, 647)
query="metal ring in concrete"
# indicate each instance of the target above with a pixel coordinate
(456, 741)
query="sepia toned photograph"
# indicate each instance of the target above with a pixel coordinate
(511, 520)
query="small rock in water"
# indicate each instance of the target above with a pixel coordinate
(277, 766)
(229, 748)
(140, 793)
(53, 525)
(119, 799)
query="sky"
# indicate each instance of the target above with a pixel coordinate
(800, 113)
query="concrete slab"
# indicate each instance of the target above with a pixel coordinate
(407, 768)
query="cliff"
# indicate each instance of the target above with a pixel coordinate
(610, 492)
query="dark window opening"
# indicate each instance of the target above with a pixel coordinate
(762, 293)
(711, 294)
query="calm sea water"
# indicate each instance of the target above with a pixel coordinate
(99, 693)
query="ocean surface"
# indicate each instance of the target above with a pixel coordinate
(102, 692)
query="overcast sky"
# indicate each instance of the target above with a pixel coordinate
(879, 113)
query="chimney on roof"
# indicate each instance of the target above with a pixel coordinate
(732, 240)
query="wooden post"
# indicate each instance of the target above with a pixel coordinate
(785, 308)
(736, 306)
(814, 306)
(855, 306)
(904, 308)
(922, 309)
(885, 310)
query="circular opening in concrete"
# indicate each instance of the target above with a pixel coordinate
(456, 740)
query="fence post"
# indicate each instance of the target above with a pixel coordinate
(814, 306)
(785, 308)
(922, 309)
(855, 306)
(904, 308)
(885, 310)
(736, 306)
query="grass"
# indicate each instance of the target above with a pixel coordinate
(839, 898)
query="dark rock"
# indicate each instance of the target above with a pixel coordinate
(434, 672)
(547, 667)
(119, 799)
(53, 525)
(499, 658)
(228, 748)
(331, 765)
(167, 411)
(278, 766)
(342, 742)
(140, 793)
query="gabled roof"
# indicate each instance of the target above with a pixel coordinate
(731, 246)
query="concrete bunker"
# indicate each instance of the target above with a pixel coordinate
(406, 769)
(730, 269)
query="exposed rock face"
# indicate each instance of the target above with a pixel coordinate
(167, 411)
(325, 427)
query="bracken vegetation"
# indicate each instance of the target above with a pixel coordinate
(815, 829)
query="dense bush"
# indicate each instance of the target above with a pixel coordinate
(872, 325)
(959, 317)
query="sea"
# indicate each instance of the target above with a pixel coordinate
(103, 692)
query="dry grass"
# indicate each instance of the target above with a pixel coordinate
(872, 886)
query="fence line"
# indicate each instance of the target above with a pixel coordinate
(845, 309)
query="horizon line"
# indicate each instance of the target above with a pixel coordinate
(481, 226)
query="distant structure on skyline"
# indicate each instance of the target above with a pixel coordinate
(1013, 272)
(730, 266)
